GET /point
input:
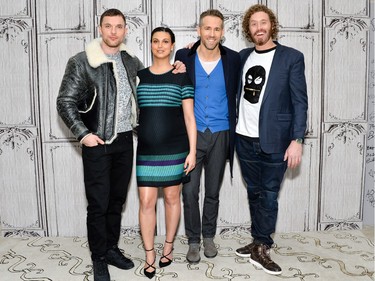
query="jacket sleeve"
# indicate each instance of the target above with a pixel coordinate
(178, 56)
(72, 89)
(299, 98)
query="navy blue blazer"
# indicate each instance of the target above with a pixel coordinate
(283, 112)
(232, 68)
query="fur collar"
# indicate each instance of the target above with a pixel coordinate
(95, 54)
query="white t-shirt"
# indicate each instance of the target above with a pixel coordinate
(254, 80)
(208, 66)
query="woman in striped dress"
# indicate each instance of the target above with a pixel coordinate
(166, 143)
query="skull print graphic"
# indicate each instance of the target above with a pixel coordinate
(254, 82)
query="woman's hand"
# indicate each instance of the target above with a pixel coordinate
(189, 163)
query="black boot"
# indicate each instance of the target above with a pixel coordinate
(116, 258)
(100, 270)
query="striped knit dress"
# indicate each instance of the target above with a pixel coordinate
(163, 143)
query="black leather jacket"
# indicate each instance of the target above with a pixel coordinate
(87, 100)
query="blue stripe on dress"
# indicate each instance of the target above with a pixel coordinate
(144, 171)
(156, 168)
(163, 94)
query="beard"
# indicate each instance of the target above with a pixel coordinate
(261, 41)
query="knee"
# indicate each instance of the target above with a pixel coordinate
(268, 200)
(253, 193)
(172, 198)
(97, 207)
(189, 197)
(146, 204)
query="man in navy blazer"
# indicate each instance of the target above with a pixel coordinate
(214, 71)
(272, 116)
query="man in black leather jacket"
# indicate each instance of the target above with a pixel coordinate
(97, 102)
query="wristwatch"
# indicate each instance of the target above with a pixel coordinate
(299, 140)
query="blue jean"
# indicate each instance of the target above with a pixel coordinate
(107, 172)
(263, 174)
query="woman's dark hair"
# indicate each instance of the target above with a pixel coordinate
(164, 29)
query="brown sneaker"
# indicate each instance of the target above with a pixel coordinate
(245, 251)
(260, 257)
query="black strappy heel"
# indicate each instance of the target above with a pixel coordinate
(149, 274)
(164, 264)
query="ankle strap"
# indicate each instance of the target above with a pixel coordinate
(149, 250)
(168, 242)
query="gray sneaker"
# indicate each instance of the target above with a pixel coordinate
(210, 250)
(193, 256)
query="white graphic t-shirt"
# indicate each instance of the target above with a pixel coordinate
(254, 80)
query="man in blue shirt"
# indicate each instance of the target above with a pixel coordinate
(214, 71)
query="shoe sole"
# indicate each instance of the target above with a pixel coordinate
(124, 268)
(258, 265)
(210, 257)
(193, 262)
(243, 255)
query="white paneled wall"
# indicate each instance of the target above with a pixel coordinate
(42, 191)
(369, 192)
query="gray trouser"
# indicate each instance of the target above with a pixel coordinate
(212, 152)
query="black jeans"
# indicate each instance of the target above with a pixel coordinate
(107, 172)
(263, 174)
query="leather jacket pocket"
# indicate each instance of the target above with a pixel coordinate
(89, 113)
